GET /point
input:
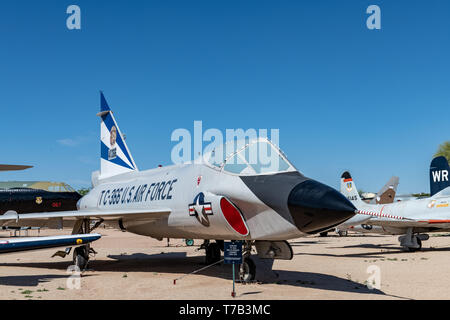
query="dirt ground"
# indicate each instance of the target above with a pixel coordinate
(128, 266)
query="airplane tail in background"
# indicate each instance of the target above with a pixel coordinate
(387, 193)
(115, 156)
(439, 171)
(348, 188)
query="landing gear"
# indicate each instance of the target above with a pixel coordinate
(324, 234)
(81, 254)
(81, 257)
(247, 271)
(419, 245)
(412, 242)
(343, 233)
(212, 253)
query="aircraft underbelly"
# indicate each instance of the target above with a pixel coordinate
(161, 229)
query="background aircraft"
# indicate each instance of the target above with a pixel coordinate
(384, 196)
(410, 219)
(35, 196)
(224, 196)
(56, 197)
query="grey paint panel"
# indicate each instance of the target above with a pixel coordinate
(281, 187)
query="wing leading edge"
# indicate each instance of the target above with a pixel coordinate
(12, 218)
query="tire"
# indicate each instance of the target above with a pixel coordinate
(419, 242)
(248, 270)
(221, 244)
(80, 258)
(343, 233)
(324, 234)
(212, 253)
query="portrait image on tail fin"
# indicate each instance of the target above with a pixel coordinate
(439, 175)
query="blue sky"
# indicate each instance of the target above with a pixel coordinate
(375, 102)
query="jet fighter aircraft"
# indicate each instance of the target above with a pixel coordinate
(384, 196)
(411, 219)
(223, 197)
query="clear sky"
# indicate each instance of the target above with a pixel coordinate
(375, 102)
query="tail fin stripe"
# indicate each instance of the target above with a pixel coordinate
(109, 123)
(116, 160)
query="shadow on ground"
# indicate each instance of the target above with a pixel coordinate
(28, 281)
(179, 264)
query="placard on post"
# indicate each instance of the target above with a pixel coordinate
(233, 255)
(233, 252)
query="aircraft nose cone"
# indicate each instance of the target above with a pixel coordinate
(316, 207)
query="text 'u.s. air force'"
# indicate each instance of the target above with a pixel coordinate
(137, 193)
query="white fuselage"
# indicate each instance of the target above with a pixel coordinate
(430, 209)
(175, 187)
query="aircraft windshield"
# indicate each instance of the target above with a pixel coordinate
(258, 156)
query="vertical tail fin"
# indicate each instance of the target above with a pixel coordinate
(439, 171)
(115, 156)
(387, 193)
(348, 188)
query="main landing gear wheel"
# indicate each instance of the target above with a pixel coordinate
(247, 271)
(81, 257)
(324, 234)
(212, 253)
(419, 242)
(343, 233)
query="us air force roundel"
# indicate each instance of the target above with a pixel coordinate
(201, 209)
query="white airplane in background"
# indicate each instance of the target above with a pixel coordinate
(411, 219)
(227, 197)
(356, 223)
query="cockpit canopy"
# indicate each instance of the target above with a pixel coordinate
(244, 157)
(37, 185)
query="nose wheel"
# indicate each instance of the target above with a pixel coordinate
(247, 272)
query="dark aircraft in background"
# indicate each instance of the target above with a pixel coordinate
(35, 196)
(38, 196)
